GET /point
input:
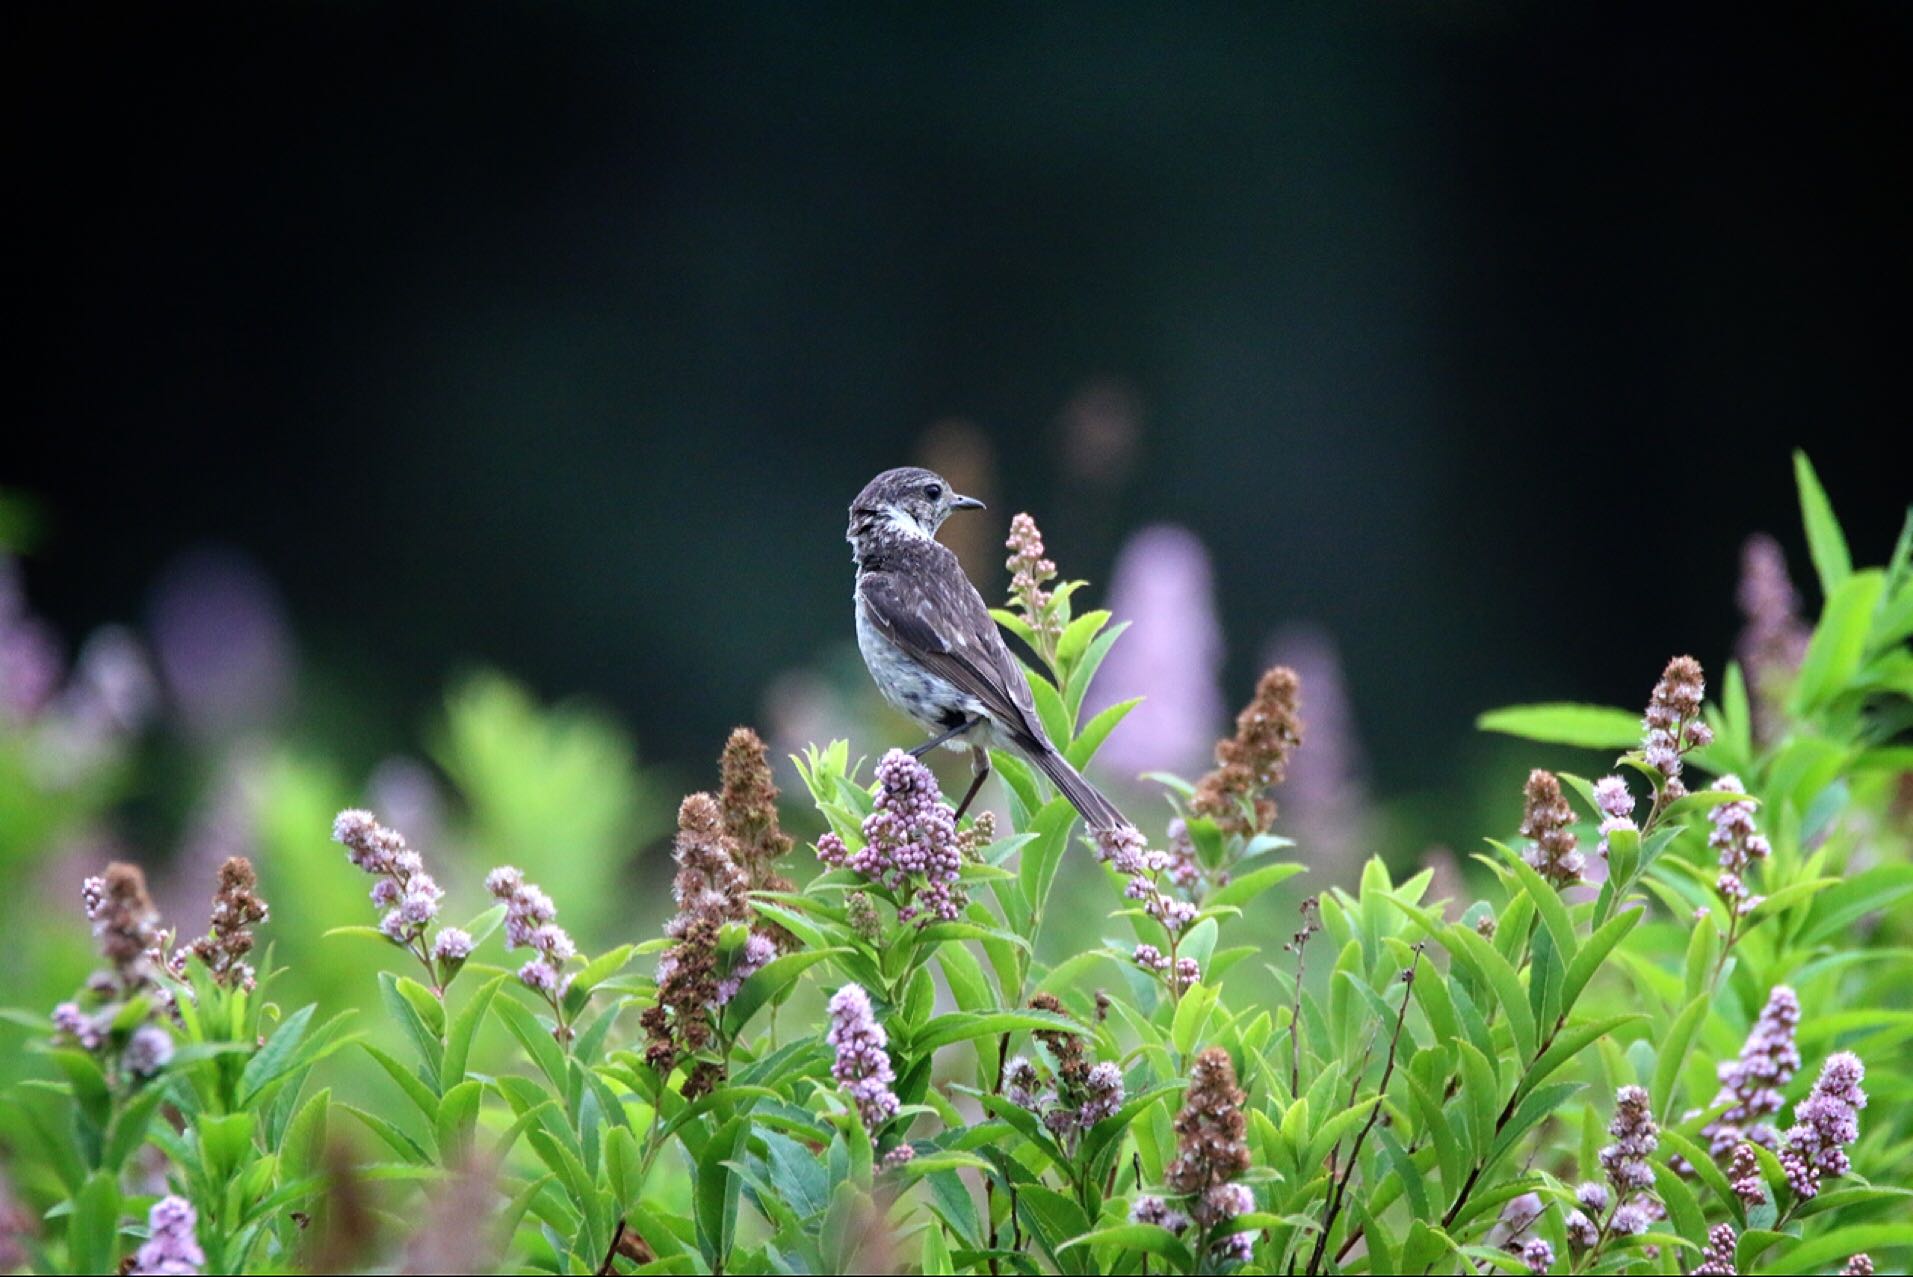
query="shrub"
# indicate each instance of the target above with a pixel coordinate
(1649, 1046)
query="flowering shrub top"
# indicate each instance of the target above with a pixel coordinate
(1645, 1046)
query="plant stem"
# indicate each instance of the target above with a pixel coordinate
(1340, 1192)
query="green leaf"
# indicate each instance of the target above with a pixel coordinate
(224, 1141)
(1050, 709)
(1037, 870)
(1482, 1091)
(1835, 1246)
(961, 1026)
(424, 1041)
(767, 982)
(93, 1230)
(1671, 1054)
(127, 1131)
(1085, 672)
(1591, 955)
(1682, 1208)
(1567, 1044)
(1151, 1239)
(423, 1098)
(457, 1120)
(1838, 644)
(465, 1024)
(1825, 541)
(1246, 887)
(1501, 977)
(1547, 903)
(1566, 723)
(278, 1055)
(536, 1040)
(304, 1143)
(1093, 733)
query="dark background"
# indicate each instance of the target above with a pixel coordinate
(559, 337)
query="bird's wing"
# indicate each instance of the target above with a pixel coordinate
(938, 619)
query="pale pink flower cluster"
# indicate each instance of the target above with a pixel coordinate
(531, 923)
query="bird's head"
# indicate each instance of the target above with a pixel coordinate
(910, 500)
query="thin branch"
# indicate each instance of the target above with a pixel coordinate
(1339, 1194)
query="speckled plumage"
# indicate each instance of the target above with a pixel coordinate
(930, 643)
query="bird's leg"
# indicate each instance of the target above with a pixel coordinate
(952, 734)
(980, 765)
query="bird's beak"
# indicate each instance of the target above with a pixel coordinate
(966, 503)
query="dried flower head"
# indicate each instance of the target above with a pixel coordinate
(237, 908)
(1210, 1144)
(125, 923)
(1672, 724)
(1267, 732)
(711, 890)
(1547, 820)
(748, 796)
(978, 834)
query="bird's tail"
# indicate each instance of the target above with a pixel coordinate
(1098, 812)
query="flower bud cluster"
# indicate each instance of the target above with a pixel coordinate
(1824, 1124)
(409, 895)
(1030, 571)
(1737, 844)
(1718, 1259)
(1616, 805)
(1750, 1086)
(910, 843)
(862, 1066)
(531, 923)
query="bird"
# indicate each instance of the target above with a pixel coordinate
(932, 647)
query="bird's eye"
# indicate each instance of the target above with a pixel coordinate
(933, 490)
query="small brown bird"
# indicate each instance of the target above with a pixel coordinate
(931, 645)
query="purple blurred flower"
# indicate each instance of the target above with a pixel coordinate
(147, 1051)
(172, 1244)
(1150, 1209)
(1774, 641)
(1537, 1255)
(1171, 655)
(1327, 808)
(224, 646)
